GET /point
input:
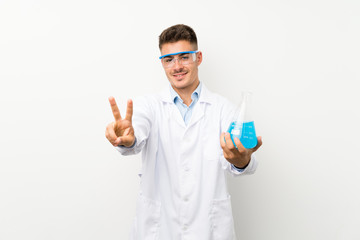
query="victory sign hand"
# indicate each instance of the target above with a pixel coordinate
(121, 131)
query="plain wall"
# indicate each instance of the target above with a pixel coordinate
(61, 60)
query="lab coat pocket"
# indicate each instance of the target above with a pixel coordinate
(147, 220)
(221, 219)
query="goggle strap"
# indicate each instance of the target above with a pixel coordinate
(176, 54)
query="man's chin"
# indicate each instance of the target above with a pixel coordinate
(178, 82)
(178, 85)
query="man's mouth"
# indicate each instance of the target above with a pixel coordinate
(179, 75)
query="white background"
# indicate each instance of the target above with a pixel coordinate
(61, 60)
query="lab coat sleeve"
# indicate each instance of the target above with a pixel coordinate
(250, 169)
(142, 121)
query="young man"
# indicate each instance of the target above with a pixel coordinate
(185, 152)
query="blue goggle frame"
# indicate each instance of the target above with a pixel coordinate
(177, 53)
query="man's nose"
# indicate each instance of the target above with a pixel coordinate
(177, 63)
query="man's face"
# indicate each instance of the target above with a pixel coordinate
(184, 77)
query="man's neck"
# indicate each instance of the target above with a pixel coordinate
(185, 93)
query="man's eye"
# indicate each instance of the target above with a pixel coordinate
(185, 57)
(168, 60)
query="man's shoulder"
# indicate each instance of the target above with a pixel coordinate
(215, 97)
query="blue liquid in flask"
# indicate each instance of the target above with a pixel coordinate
(245, 132)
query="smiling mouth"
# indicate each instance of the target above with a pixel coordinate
(179, 75)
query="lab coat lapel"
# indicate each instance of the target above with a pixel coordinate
(173, 112)
(197, 114)
(176, 115)
(199, 109)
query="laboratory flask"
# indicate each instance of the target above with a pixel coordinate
(242, 123)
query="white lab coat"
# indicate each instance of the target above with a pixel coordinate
(183, 191)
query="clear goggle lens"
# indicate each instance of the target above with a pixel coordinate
(183, 58)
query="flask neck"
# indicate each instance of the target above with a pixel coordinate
(244, 108)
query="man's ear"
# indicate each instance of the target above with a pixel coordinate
(199, 58)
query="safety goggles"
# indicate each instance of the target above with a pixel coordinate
(184, 58)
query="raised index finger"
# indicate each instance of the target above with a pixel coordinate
(115, 109)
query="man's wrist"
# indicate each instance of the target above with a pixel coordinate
(243, 167)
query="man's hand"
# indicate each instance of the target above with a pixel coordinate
(121, 132)
(239, 156)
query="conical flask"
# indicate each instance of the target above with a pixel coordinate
(242, 124)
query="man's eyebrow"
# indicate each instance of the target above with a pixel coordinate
(171, 56)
